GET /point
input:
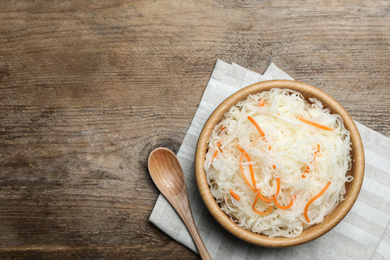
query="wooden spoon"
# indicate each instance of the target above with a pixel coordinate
(166, 173)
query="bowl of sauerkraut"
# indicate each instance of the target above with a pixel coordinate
(279, 163)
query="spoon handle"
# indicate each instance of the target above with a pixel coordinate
(182, 206)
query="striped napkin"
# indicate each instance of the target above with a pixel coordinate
(363, 234)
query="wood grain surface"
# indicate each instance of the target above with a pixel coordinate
(89, 88)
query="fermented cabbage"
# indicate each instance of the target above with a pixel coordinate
(304, 150)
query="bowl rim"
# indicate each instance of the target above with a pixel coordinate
(315, 231)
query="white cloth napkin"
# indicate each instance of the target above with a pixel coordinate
(363, 234)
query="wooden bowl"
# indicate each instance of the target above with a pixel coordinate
(315, 231)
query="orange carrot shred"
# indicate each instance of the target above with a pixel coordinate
(277, 193)
(264, 198)
(277, 187)
(243, 173)
(234, 195)
(240, 148)
(216, 152)
(313, 199)
(214, 156)
(261, 103)
(257, 126)
(259, 212)
(250, 166)
(284, 207)
(219, 146)
(315, 124)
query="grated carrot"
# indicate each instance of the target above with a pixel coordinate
(314, 124)
(216, 152)
(264, 198)
(261, 102)
(243, 173)
(214, 156)
(313, 199)
(277, 193)
(277, 187)
(257, 126)
(234, 195)
(284, 207)
(250, 166)
(240, 148)
(259, 212)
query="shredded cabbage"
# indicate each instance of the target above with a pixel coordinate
(304, 158)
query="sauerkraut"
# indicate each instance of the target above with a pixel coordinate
(277, 163)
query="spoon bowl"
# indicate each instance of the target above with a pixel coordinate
(167, 174)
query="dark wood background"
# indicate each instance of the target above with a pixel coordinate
(89, 88)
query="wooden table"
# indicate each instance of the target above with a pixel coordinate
(89, 88)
